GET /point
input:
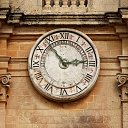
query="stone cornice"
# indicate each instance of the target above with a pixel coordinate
(124, 12)
(123, 61)
(123, 57)
(14, 18)
(3, 13)
(67, 19)
(19, 59)
(64, 19)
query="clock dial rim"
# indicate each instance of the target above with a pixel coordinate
(80, 94)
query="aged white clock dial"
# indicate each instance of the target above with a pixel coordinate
(63, 65)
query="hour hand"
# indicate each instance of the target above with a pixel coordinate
(76, 62)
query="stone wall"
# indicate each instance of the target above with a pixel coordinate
(21, 106)
(27, 108)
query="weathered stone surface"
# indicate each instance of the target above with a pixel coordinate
(20, 28)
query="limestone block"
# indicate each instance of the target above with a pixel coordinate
(4, 3)
(105, 5)
(2, 118)
(123, 3)
(125, 46)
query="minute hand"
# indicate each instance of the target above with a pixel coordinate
(76, 62)
(57, 55)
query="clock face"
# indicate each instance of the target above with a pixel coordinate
(63, 65)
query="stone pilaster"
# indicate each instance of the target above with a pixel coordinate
(4, 78)
(122, 79)
(123, 85)
(4, 87)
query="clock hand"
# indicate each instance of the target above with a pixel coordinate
(57, 55)
(75, 62)
(62, 61)
(60, 58)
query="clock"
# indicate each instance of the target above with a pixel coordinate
(64, 65)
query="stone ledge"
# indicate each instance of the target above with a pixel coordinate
(124, 101)
(4, 59)
(124, 12)
(105, 71)
(3, 13)
(109, 60)
(102, 59)
(3, 101)
(65, 19)
(123, 57)
(71, 19)
(123, 61)
(19, 59)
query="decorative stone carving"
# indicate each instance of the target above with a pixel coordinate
(69, 3)
(63, 18)
(3, 13)
(60, 3)
(123, 79)
(77, 3)
(15, 18)
(43, 3)
(4, 82)
(86, 3)
(52, 3)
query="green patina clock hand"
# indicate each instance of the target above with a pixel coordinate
(76, 62)
(57, 55)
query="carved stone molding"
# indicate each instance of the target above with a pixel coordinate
(5, 82)
(14, 18)
(122, 81)
(68, 18)
(3, 13)
(57, 18)
(5, 59)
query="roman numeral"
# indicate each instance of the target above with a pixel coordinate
(88, 77)
(64, 35)
(36, 64)
(63, 92)
(40, 49)
(85, 62)
(88, 49)
(78, 39)
(39, 76)
(49, 39)
(78, 89)
(48, 87)
(42, 64)
(92, 63)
